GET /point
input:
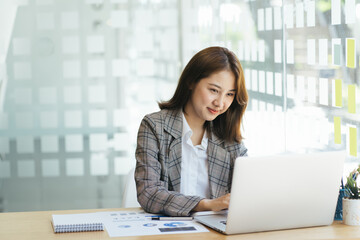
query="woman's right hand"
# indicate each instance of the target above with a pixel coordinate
(216, 204)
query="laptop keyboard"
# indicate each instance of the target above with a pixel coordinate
(223, 222)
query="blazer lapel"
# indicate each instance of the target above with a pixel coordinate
(173, 125)
(219, 167)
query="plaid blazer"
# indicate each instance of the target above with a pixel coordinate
(158, 165)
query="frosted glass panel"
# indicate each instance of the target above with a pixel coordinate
(96, 68)
(26, 168)
(121, 117)
(99, 165)
(72, 94)
(97, 94)
(97, 118)
(49, 143)
(22, 70)
(45, 21)
(50, 167)
(74, 143)
(70, 45)
(73, 119)
(71, 69)
(95, 44)
(47, 95)
(3, 121)
(25, 144)
(98, 142)
(4, 145)
(24, 120)
(49, 119)
(120, 141)
(119, 19)
(77, 77)
(5, 169)
(23, 96)
(69, 20)
(123, 165)
(75, 167)
(44, 2)
(145, 67)
(21, 46)
(120, 67)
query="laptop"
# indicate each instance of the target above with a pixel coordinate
(280, 192)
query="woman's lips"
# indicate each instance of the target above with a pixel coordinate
(213, 111)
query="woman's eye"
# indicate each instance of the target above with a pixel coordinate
(213, 90)
(231, 94)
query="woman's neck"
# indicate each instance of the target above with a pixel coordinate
(195, 123)
(197, 128)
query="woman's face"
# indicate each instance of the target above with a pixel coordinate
(211, 96)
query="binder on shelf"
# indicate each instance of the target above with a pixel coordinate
(76, 223)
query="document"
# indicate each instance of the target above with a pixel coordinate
(139, 223)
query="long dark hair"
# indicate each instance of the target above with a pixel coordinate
(206, 62)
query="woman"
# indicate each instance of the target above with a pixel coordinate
(185, 153)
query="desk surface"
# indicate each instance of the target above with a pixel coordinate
(37, 225)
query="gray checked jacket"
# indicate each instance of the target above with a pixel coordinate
(158, 165)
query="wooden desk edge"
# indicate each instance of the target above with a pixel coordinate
(37, 225)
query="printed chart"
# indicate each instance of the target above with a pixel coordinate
(127, 223)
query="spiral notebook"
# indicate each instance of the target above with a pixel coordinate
(77, 223)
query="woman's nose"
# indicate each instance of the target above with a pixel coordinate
(219, 101)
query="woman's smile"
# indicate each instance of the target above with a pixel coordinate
(213, 111)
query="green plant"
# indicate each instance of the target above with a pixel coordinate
(352, 190)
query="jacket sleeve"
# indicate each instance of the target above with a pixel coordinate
(242, 150)
(237, 150)
(152, 192)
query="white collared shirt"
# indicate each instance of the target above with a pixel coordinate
(194, 165)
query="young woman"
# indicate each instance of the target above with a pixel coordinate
(185, 153)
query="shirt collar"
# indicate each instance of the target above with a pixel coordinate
(187, 133)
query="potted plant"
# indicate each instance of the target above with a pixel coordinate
(351, 201)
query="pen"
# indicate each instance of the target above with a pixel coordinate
(170, 218)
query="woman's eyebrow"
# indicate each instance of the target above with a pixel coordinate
(215, 85)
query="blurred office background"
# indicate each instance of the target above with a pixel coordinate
(77, 76)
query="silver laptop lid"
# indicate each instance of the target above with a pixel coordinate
(286, 191)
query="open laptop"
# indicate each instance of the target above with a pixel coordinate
(281, 192)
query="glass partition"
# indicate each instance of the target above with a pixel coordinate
(77, 76)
